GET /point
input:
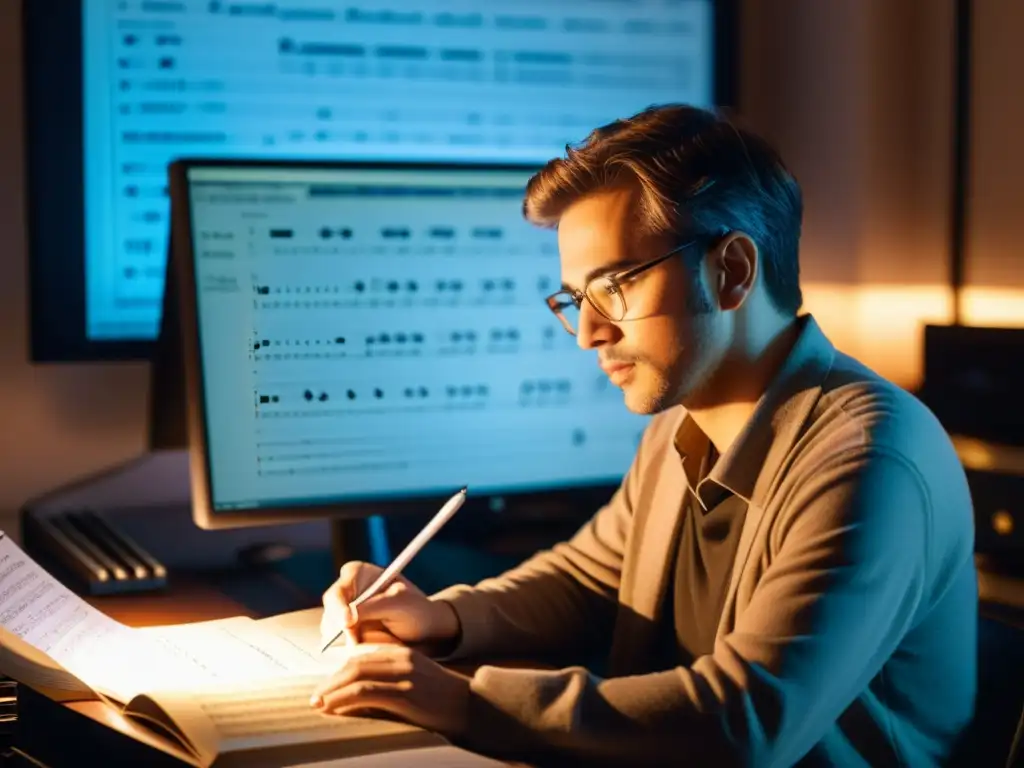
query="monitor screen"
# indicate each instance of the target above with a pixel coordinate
(505, 80)
(362, 332)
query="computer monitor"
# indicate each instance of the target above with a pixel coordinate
(116, 89)
(365, 338)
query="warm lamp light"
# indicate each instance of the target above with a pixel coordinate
(882, 325)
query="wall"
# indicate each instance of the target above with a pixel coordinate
(996, 194)
(855, 93)
(858, 95)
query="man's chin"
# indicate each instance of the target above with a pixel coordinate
(644, 408)
(641, 400)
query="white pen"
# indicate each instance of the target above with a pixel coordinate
(407, 554)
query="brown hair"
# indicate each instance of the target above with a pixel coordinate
(697, 175)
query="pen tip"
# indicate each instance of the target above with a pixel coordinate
(464, 489)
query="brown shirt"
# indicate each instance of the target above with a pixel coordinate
(848, 635)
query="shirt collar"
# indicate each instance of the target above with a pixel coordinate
(749, 467)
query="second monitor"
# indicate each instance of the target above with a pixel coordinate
(365, 335)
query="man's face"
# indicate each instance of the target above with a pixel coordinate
(671, 338)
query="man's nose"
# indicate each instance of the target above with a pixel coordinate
(593, 329)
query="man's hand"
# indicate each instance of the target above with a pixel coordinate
(400, 681)
(399, 614)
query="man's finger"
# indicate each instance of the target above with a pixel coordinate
(382, 606)
(353, 579)
(368, 663)
(336, 611)
(375, 633)
(334, 620)
(334, 598)
(369, 633)
(348, 583)
(390, 696)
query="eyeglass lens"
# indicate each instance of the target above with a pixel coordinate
(605, 296)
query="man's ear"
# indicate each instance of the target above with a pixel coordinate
(735, 262)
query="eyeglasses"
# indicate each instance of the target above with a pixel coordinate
(604, 292)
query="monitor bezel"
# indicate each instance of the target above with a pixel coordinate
(562, 502)
(54, 175)
(54, 188)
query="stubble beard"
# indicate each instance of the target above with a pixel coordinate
(692, 370)
(665, 389)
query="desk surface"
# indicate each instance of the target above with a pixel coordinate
(188, 600)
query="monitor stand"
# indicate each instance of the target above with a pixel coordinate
(351, 540)
(276, 577)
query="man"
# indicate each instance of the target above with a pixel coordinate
(785, 574)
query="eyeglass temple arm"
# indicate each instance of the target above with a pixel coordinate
(641, 268)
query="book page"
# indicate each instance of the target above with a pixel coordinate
(33, 668)
(302, 630)
(238, 650)
(115, 660)
(42, 612)
(277, 713)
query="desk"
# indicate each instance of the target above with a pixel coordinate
(194, 598)
(190, 599)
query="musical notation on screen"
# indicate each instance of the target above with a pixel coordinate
(407, 79)
(303, 345)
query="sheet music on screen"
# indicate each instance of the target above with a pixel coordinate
(408, 79)
(382, 332)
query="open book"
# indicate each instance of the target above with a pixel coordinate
(223, 692)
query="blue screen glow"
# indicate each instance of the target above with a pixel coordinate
(372, 333)
(402, 79)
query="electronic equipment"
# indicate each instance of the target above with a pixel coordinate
(99, 555)
(365, 338)
(129, 529)
(973, 382)
(138, 83)
(357, 337)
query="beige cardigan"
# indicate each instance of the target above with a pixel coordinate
(849, 630)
